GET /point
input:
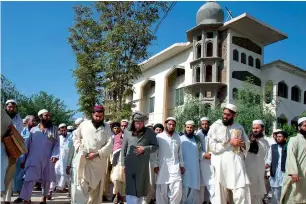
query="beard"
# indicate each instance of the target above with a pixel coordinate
(46, 123)
(97, 123)
(189, 135)
(227, 122)
(12, 115)
(205, 131)
(169, 131)
(303, 132)
(258, 135)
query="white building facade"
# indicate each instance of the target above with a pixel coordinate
(217, 59)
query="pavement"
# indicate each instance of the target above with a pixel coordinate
(57, 198)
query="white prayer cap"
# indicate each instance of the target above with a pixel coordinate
(231, 107)
(62, 125)
(258, 122)
(10, 101)
(78, 121)
(149, 125)
(42, 112)
(277, 130)
(170, 118)
(24, 120)
(70, 127)
(301, 120)
(205, 119)
(189, 122)
(125, 120)
(109, 122)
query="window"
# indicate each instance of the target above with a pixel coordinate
(282, 89)
(220, 49)
(245, 76)
(236, 55)
(251, 61)
(208, 73)
(209, 49)
(199, 37)
(180, 72)
(243, 58)
(281, 121)
(296, 94)
(257, 63)
(179, 97)
(197, 95)
(198, 51)
(151, 104)
(209, 34)
(235, 93)
(198, 74)
(304, 97)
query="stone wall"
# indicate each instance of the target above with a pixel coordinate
(223, 67)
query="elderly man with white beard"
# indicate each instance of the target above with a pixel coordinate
(229, 143)
(255, 162)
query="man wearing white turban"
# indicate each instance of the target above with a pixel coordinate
(229, 143)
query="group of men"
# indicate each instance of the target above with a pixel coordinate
(217, 164)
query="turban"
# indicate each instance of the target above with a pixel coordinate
(42, 112)
(10, 101)
(158, 125)
(139, 117)
(231, 107)
(189, 122)
(301, 120)
(62, 125)
(98, 108)
(170, 118)
(205, 119)
(258, 122)
(284, 133)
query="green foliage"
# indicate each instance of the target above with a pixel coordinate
(109, 40)
(34, 103)
(303, 114)
(290, 129)
(248, 100)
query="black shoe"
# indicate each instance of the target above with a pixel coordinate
(18, 200)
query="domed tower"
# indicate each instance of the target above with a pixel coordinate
(207, 53)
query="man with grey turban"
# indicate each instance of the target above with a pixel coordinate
(138, 143)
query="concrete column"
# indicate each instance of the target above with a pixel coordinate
(159, 99)
(215, 46)
(214, 72)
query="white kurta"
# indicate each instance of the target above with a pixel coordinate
(90, 173)
(190, 151)
(255, 165)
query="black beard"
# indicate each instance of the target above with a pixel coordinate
(46, 123)
(97, 124)
(205, 131)
(258, 135)
(12, 115)
(228, 122)
(303, 132)
(190, 135)
(171, 132)
(254, 147)
(281, 143)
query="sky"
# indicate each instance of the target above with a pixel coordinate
(35, 54)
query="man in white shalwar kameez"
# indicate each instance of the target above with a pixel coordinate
(191, 148)
(229, 143)
(95, 139)
(60, 167)
(255, 162)
(168, 165)
(207, 191)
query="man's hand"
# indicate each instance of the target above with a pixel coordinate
(267, 166)
(295, 178)
(54, 160)
(22, 165)
(206, 156)
(139, 150)
(156, 170)
(182, 170)
(91, 156)
(235, 142)
(68, 170)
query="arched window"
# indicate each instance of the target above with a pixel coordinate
(304, 97)
(268, 92)
(209, 49)
(235, 93)
(236, 55)
(251, 61)
(257, 63)
(208, 73)
(198, 52)
(243, 58)
(296, 94)
(198, 74)
(282, 120)
(282, 89)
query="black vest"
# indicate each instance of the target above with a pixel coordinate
(275, 157)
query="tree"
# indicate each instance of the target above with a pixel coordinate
(9, 91)
(110, 39)
(249, 102)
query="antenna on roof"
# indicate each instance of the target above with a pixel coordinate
(229, 17)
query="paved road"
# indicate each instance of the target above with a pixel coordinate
(57, 198)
